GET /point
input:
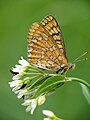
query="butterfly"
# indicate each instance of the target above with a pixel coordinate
(46, 48)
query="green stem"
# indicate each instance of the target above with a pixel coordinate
(56, 118)
(34, 68)
(78, 80)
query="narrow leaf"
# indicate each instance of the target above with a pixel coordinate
(86, 92)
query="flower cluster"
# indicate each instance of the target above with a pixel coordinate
(24, 86)
(33, 84)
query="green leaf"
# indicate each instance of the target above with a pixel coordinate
(86, 92)
(37, 82)
(50, 84)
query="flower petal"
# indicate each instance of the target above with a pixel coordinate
(28, 109)
(15, 83)
(16, 77)
(47, 119)
(21, 93)
(27, 102)
(41, 100)
(23, 62)
(33, 105)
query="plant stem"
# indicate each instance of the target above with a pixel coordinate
(78, 80)
(56, 118)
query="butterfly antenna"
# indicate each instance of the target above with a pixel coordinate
(78, 58)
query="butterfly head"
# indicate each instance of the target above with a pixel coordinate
(72, 66)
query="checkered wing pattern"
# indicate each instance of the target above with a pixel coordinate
(46, 47)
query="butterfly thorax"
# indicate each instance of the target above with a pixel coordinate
(64, 68)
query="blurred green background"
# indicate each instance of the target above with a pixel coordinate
(16, 17)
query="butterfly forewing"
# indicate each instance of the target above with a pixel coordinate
(51, 25)
(45, 44)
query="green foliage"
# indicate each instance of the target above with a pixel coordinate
(50, 84)
(34, 84)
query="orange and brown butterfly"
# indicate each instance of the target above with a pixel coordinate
(46, 47)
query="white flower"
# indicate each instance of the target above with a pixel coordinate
(48, 113)
(16, 84)
(41, 100)
(20, 68)
(16, 77)
(47, 119)
(21, 93)
(31, 103)
(23, 62)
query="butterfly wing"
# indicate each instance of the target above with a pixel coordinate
(51, 25)
(45, 44)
